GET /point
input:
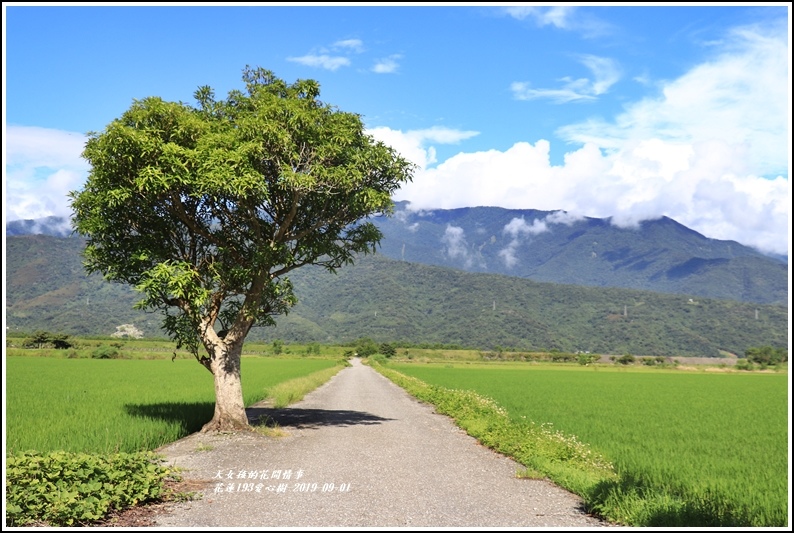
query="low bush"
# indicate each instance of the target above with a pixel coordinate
(68, 489)
(106, 352)
(744, 364)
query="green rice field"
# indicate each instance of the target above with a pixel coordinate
(691, 448)
(123, 405)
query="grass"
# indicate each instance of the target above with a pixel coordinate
(688, 448)
(106, 406)
(293, 390)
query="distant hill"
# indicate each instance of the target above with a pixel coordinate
(389, 300)
(53, 226)
(659, 255)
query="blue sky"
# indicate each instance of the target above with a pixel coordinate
(624, 112)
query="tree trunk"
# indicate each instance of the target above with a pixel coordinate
(229, 407)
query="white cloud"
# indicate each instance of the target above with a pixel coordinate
(693, 184)
(561, 17)
(322, 58)
(456, 246)
(518, 229)
(414, 145)
(508, 254)
(519, 226)
(42, 166)
(387, 65)
(322, 61)
(557, 16)
(570, 93)
(712, 151)
(563, 217)
(606, 73)
(742, 97)
(356, 45)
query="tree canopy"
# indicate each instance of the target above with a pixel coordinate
(205, 209)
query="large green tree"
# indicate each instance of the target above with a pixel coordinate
(205, 209)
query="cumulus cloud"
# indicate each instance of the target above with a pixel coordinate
(322, 61)
(42, 166)
(606, 73)
(415, 145)
(711, 151)
(741, 97)
(693, 184)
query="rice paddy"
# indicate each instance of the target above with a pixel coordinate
(123, 405)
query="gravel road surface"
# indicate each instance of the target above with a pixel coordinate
(360, 452)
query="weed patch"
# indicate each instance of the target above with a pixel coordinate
(291, 391)
(75, 489)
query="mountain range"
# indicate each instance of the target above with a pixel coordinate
(552, 246)
(657, 255)
(403, 299)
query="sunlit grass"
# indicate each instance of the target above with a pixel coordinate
(103, 406)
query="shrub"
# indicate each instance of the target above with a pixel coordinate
(743, 364)
(387, 349)
(766, 355)
(105, 352)
(65, 489)
(626, 359)
(38, 339)
(278, 346)
(366, 347)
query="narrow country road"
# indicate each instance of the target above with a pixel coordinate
(360, 452)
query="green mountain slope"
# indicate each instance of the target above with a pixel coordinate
(390, 300)
(659, 255)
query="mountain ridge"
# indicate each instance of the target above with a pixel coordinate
(659, 255)
(390, 300)
(552, 246)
